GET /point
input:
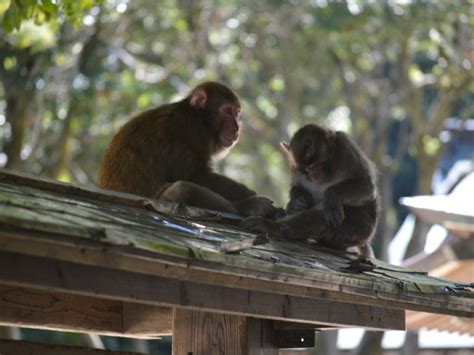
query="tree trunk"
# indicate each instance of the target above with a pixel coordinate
(18, 103)
(61, 157)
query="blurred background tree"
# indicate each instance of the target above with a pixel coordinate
(387, 72)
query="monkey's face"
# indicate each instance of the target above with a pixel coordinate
(227, 127)
(219, 109)
(308, 153)
(229, 116)
(311, 161)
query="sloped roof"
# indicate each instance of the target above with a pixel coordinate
(49, 219)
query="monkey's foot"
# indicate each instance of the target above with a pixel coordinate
(263, 225)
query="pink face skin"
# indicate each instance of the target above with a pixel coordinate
(315, 172)
(229, 114)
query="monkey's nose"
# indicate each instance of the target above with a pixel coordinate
(309, 168)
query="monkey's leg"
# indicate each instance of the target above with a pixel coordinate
(305, 224)
(356, 229)
(195, 195)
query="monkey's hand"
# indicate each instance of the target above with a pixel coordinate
(256, 205)
(300, 203)
(333, 210)
(263, 225)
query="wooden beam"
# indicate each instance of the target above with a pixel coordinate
(204, 333)
(29, 271)
(13, 347)
(312, 285)
(35, 308)
(143, 320)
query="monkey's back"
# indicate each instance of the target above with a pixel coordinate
(154, 148)
(359, 223)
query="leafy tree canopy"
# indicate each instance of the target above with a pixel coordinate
(16, 12)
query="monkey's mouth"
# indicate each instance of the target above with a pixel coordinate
(314, 172)
(227, 140)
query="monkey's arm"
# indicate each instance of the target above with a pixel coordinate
(195, 195)
(299, 226)
(354, 191)
(224, 186)
(245, 200)
(300, 200)
(350, 192)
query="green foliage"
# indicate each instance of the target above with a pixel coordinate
(335, 63)
(42, 11)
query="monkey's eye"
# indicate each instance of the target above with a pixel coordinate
(308, 154)
(228, 111)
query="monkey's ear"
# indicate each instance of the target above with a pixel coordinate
(330, 136)
(285, 147)
(199, 98)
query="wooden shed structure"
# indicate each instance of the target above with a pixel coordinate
(73, 258)
(454, 259)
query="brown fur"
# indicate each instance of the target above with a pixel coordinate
(166, 153)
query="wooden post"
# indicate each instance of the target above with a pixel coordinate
(204, 333)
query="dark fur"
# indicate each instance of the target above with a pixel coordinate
(166, 153)
(336, 201)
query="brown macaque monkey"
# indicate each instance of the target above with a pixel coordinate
(333, 195)
(167, 152)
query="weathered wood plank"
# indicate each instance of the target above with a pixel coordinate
(13, 347)
(59, 311)
(312, 284)
(261, 337)
(29, 271)
(93, 192)
(35, 308)
(42, 182)
(142, 320)
(204, 333)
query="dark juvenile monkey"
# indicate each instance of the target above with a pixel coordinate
(167, 152)
(333, 195)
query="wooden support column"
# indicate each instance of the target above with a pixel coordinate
(205, 333)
